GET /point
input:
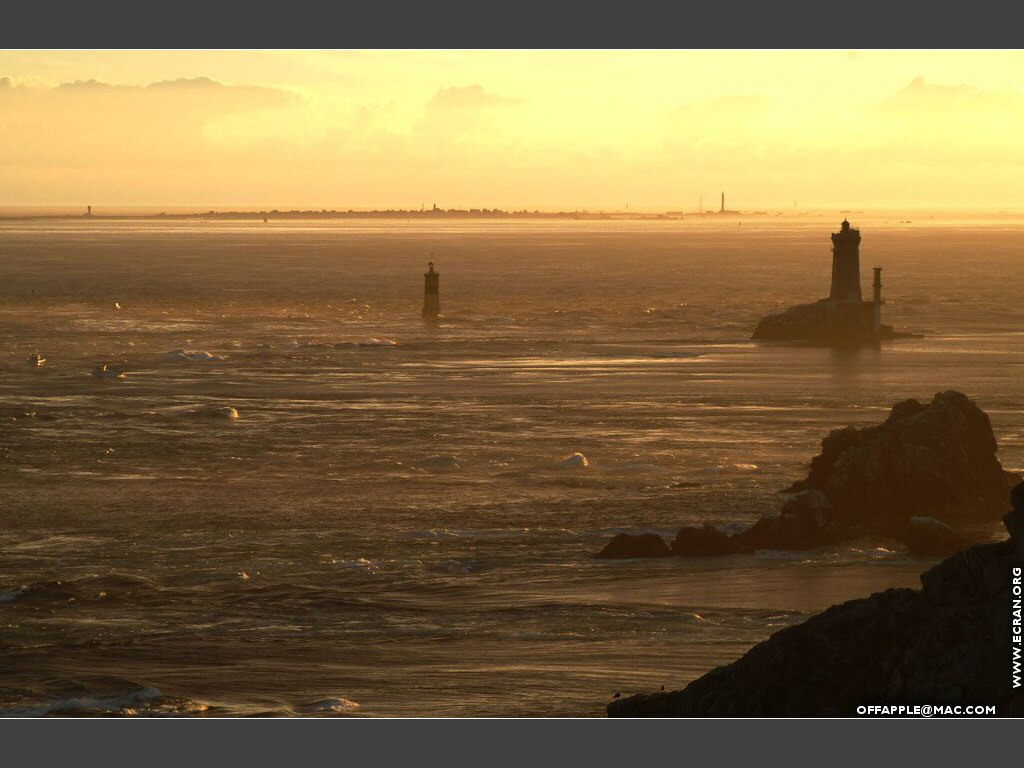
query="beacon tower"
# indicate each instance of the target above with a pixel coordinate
(876, 318)
(846, 264)
(431, 293)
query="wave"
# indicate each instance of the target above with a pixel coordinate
(206, 411)
(110, 587)
(374, 342)
(142, 700)
(335, 705)
(573, 461)
(191, 356)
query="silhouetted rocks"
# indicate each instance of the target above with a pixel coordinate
(628, 545)
(948, 643)
(926, 471)
(806, 522)
(928, 537)
(823, 323)
(936, 460)
(706, 541)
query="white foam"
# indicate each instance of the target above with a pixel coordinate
(124, 703)
(335, 704)
(192, 356)
(208, 410)
(374, 342)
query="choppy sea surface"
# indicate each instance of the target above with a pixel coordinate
(390, 526)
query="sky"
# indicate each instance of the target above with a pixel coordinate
(548, 130)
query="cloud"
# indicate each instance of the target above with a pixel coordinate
(725, 122)
(921, 98)
(94, 123)
(461, 115)
(470, 97)
(733, 105)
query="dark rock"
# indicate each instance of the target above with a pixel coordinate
(936, 460)
(628, 545)
(823, 323)
(706, 541)
(948, 643)
(928, 537)
(805, 523)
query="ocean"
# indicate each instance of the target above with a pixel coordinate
(396, 523)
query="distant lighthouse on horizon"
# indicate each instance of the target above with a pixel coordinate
(431, 293)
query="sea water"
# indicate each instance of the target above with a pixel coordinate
(302, 500)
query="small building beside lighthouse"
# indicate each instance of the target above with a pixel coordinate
(431, 293)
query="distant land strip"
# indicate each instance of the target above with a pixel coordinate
(429, 213)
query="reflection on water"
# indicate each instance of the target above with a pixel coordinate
(389, 525)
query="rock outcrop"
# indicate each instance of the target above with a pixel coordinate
(948, 643)
(625, 546)
(936, 460)
(706, 541)
(928, 537)
(823, 323)
(806, 522)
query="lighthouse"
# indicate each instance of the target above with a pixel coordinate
(431, 293)
(846, 264)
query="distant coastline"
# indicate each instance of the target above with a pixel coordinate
(153, 213)
(397, 213)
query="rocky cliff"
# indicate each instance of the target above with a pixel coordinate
(948, 643)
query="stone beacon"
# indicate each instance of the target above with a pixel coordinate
(844, 319)
(431, 293)
(876, 301)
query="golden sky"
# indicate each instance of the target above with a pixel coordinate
(512, 129)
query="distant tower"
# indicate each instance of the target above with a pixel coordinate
(88, 210)
(431, 293)
(876, 322)
(722, 209)
(846, 264)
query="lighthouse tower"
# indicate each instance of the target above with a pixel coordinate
(431, 293)
(846, 264)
